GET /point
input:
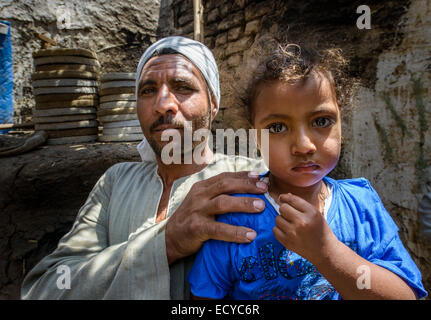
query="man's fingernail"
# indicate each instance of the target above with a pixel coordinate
(252, 174)
(261, 185)
(251, 235)
(259, 204)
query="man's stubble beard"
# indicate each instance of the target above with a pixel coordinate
(203, 122)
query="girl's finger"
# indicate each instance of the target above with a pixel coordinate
(296, 202)
(283, 224)
(282, 237)
(289, 213)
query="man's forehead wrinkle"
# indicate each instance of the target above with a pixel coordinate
(169, 61)
(175, 69)
(175, 76)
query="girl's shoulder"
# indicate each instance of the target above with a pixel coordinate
(358, 197)
(357, 192)
(355, 186)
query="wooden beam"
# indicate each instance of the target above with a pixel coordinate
(198, 14)
(4, 126)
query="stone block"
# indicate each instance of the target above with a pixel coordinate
(240, 4)
(210, 4)
(221, 39)
(234, 60)
(186, 30)
(225, 9)
(210, 30)
(255, 11)
(209, 42)
(239, 45)
(213, 15)
(231, 21)
(185, 19)
(233, 34)
(252, 27)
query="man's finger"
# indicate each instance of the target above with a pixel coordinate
(225, 203)
(234, 182)
(226, 232)
(224, 175)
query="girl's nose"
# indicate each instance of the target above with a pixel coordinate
(303, 143)
(166, 101)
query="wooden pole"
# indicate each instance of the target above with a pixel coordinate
(198, 13)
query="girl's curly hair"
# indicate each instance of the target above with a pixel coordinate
(292, 63)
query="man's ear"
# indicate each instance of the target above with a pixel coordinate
(214, 106)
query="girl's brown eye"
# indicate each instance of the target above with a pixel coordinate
(276, 128)
(322, 122)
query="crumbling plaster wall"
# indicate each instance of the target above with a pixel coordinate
(119, 31)
(391, 140)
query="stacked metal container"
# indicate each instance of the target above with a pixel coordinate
(66, 93)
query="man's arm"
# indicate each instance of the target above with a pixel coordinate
(84, 258)
(139, 267)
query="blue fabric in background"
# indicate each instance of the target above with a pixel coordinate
(6, 76)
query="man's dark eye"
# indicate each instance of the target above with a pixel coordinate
(147, 90)
(184, 88)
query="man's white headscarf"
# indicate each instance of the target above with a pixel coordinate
(198, 54)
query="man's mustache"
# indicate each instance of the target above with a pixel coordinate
(169, 120)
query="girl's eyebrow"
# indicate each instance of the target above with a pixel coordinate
(275, 116)
(320, 110)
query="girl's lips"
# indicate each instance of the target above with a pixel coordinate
(306, 167)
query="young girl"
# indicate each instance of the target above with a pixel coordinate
(318, 238)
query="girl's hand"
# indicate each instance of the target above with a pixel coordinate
(301, 228)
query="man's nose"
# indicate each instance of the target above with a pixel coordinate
(302, 143)
(166, 101)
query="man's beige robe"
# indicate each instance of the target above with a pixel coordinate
(115, 250)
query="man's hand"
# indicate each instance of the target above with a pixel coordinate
(302, 228)
(194, 221)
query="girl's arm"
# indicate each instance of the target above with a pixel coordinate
(302, 229)
(356, 278)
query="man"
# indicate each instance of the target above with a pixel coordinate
(135, 236)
